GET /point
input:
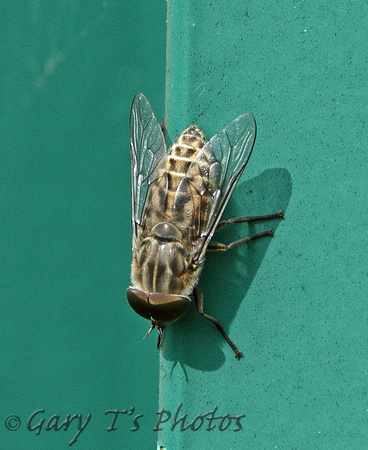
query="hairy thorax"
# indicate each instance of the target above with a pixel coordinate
(163, 263)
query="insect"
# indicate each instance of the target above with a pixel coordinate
(178, 198)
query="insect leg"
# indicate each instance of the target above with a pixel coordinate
(223, 223)
(218, 246)
(223, 247)
(199, 304)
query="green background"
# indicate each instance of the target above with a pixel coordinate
(70, 344)
(295, 305)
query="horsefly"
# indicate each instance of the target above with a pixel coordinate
(178, 198)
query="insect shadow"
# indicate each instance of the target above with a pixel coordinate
(227, 276)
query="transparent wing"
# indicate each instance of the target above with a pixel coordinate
(230, 148)
(148, 154)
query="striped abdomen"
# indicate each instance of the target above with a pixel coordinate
(182, 191)
(182, 153)
(176, 213)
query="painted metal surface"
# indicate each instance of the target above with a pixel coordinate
(297, 304)
(70, 70)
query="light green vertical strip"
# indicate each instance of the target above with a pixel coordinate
(295, 304)
(208, 85)
(179, 32)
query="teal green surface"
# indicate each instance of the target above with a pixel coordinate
(70, 344)
(295, 305)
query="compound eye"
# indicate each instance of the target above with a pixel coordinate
(158, 308)
(168, 308)
(138, 300)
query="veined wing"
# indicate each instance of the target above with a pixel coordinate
(231, 148)
(148, 154)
